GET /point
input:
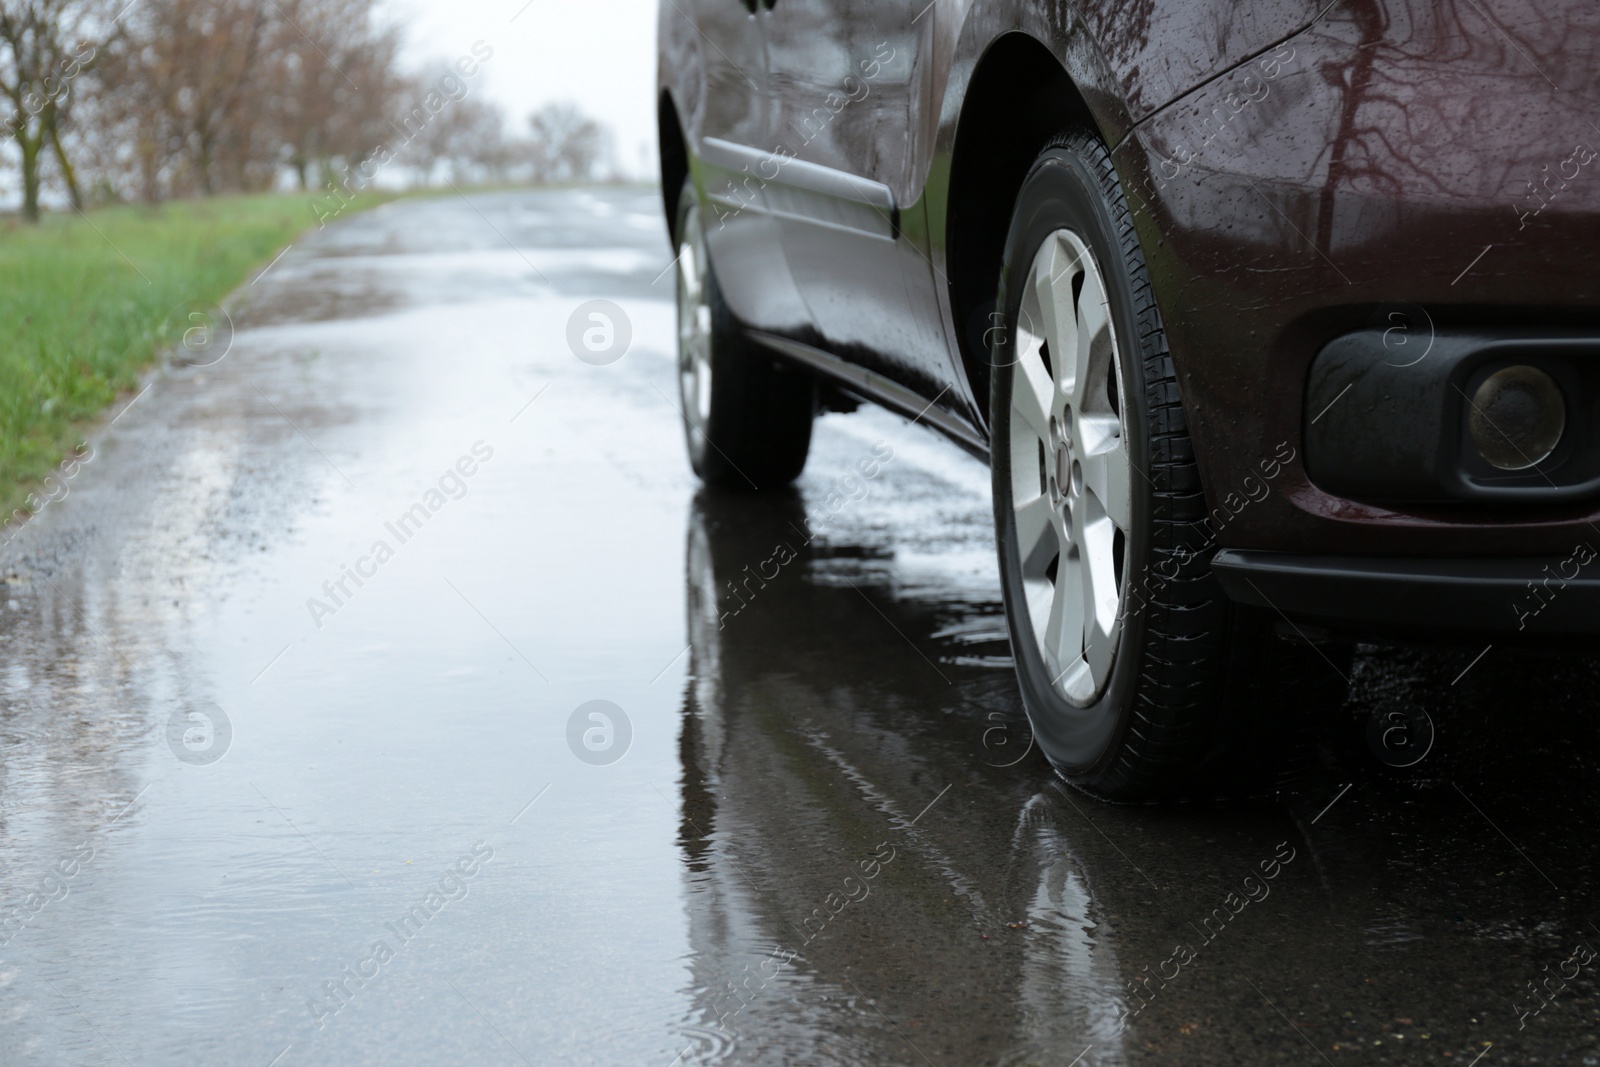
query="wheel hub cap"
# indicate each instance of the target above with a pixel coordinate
(1071, 476)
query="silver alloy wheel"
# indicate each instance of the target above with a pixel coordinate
(1070, 472)
(694, 325)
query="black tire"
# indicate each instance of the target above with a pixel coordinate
(755, 430)
(1196, 697)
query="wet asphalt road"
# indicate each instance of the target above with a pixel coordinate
(810, 830)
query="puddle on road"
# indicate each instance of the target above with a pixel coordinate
(824, 837)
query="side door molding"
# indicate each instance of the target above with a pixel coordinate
(794, 189)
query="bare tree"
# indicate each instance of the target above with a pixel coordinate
(187, 78)
(441, 123)
(420, 126)
(367, 123)
(477, 141)
(44, 46)
(567, 145)
(334, 83)
(196, 97)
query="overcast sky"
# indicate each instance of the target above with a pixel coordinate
(597, 53)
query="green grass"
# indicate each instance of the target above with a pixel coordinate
(83, 300)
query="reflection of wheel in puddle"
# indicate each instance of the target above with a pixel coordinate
(705, 633)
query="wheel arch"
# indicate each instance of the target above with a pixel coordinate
(674, 153)
(1018, 97)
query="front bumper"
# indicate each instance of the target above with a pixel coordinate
(1371, 166)
(1521, 598)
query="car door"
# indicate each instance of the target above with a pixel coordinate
(851, 90)
(733, 146)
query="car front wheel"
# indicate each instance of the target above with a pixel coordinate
(1140, 680)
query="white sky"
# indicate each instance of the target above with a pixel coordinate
(598, 53)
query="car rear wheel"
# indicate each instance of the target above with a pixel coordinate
(1139, 678)
(746, 417)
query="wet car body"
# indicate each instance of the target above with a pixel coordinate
(1410, 180)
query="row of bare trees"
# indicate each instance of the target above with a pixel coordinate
(154, 99)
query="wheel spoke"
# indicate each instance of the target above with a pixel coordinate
(1094, 432)
(1054, 296)
(1093, 347)
(1063, 635)
(1040, 597)
(1097, 537)
(1033, 395)
(1037, 540)
(1107, 470)
(1064, 337)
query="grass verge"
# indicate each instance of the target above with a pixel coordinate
(83, 300)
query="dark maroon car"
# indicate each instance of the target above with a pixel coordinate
(1276, 322)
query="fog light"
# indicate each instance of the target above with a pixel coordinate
(1517, 418)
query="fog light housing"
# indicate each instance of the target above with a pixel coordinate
(1517, 417)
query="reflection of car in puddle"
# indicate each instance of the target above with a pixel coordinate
(828, 893)
(1017, 921)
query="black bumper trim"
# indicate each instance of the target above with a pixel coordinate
(1522, 597)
